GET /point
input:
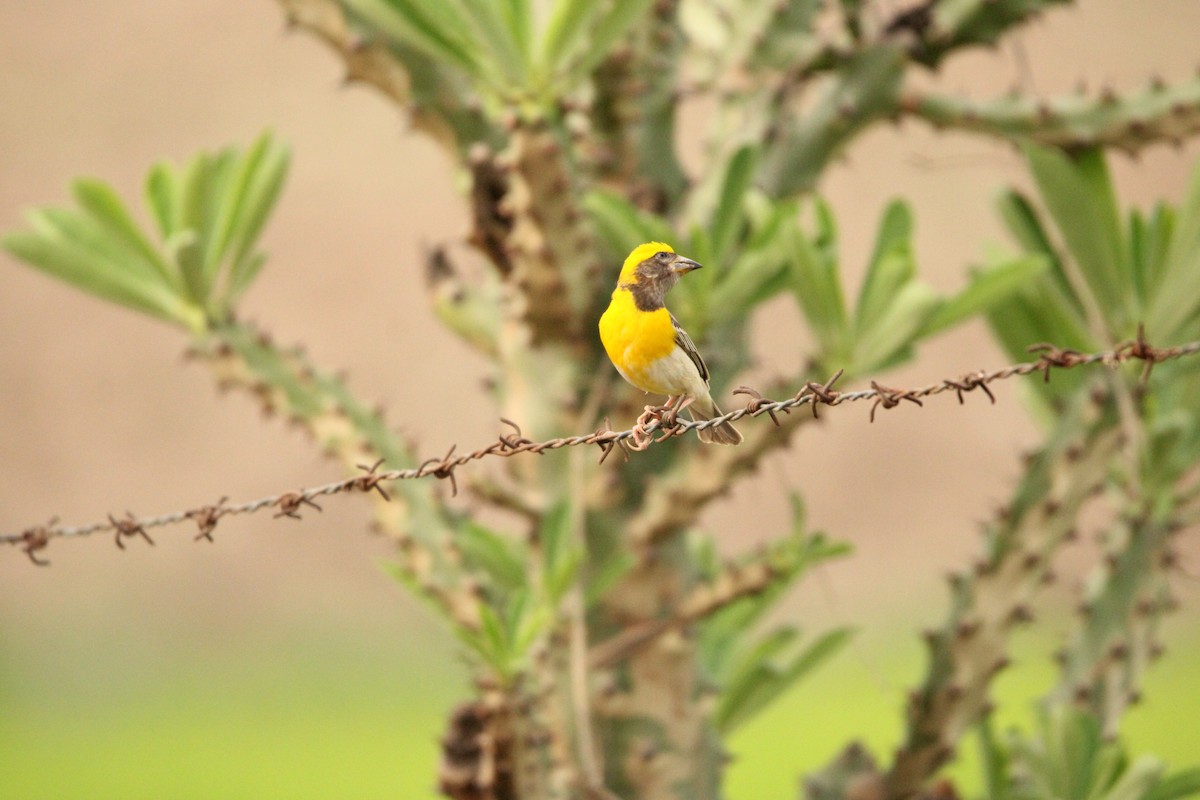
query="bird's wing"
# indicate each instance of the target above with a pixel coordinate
(685, 342)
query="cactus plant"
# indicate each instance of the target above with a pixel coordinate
(612, 648)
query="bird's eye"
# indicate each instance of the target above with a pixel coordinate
(662, 256)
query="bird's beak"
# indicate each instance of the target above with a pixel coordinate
(684, 265)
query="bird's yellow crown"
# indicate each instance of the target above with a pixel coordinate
(640, 254)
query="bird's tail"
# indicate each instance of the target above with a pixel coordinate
(705, 408)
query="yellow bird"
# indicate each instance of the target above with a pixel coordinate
(650, 349)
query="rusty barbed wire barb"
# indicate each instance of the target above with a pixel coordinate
(890, 398)
(289, 504)
(206, 518)
(757, 404)
(370, 481)
(970, 382)
(36, 539)
(128, 527)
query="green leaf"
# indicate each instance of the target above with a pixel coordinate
(763, 685)
(1024, 224)
(1172, 309)
(995, 760)
(606, 31)
(608, 575)
(226, 205)
(729, 219)
(1179, 784)
(518, 14)
(434, 26)
(242, 274)
(622, 225)
(90, 235)
(100, 201)
(162, 198)
(1079, 195)
(896, 228)
(986, 287)
(1138, 781)
(183, 248)
(500, 558)
(495, 23)
(818, 290)
(890, 273)
(894, 333)
(569, 22)
(102, 278)
(560, 557)
(259, 192)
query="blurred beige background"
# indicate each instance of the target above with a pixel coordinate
(98, 413)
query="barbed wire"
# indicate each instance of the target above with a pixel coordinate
(661, 421)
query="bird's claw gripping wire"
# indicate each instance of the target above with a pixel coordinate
(667, 417)
(642, 435)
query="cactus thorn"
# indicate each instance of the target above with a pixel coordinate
(1002, 663)
(966, 629)
(955, 692)
(1020, 614)
(1108, 96)
(1119, 651)
(1157, 84)
(1082, 693)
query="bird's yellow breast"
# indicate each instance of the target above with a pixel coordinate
(636, 339)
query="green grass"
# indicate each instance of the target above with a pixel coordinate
(846, 702)
(334, 718)
(353, 723)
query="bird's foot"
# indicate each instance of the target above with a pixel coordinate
(670, 412)
(642, 437)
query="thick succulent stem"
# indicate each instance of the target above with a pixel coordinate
(1103, 662)
(970, 648)
(633, 114)
(676, 497)
(1160, 113)
(439, 104)
(800, 145)
(286, 383)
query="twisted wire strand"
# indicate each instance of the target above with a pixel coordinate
(290, 504)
